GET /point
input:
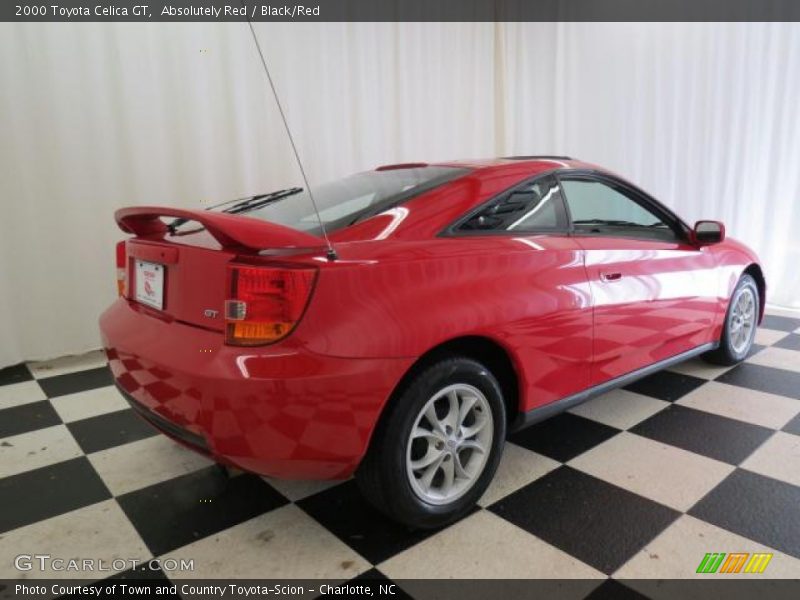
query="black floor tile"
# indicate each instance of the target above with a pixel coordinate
(373, 574)
(141, 577)
(697, 431)
(142, 572)
(95, 586)
(27, 417)
(666, 385)
(344, 512)
(109, 430)
(564, 436)
(611, 589)
(72, 383)
(594, 521)
(15, 374)
(780, 323)
(375, 579)
(43, 493)
(793, 426)
(790, 342)
(759, 508)
(179, 511)
(764, 379)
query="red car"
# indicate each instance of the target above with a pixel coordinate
(456, 302)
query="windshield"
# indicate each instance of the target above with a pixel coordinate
(344, 201)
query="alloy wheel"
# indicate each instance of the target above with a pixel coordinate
(449, 443)
(742, 320)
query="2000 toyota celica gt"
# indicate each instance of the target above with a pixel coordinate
(456, 302)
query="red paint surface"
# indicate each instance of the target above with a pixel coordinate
(570, 312)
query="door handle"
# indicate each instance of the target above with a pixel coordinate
(611, 277)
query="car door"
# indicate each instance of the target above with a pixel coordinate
(653, 292)
(546, 303)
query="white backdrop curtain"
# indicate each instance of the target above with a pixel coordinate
(98, 116)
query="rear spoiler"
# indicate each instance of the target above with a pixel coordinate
(231, 231)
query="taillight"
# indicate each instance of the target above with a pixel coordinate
(266, 302)
(122, 271)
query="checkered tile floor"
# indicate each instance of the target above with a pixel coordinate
(639, 483)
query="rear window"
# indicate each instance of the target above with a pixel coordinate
(345, 201)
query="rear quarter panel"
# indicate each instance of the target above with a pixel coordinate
(401, 299)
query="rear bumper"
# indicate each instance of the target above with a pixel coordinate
(277, 410)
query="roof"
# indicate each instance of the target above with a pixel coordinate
(532, 163)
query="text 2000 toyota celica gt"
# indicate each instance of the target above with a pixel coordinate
(455, 303)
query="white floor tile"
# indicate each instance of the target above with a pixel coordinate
(17, 394)
(792, 313)
(28, 451)
(778, 358)
(91, 403)
(282, 544)
(767, 337)
(145, 462)
(620, 408)
(779, 458)
(68, 364)
(697, 367)
(742, 404)
(485, 546)
(677, 551)
(100, 532)
(661, 472)
(517, 468)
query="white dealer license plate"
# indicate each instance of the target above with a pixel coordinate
(150, 284)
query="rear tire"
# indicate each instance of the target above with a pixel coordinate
(438, 445)
(739, 328)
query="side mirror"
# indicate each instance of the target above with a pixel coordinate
(708, 232)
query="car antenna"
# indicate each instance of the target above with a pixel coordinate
(331, 252)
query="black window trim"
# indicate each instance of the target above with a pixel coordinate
(643, 198)
(453, 230)
(640, 197)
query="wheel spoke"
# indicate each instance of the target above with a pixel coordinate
(448, 469)
(451, 418)
(430, 414)
(742, 336)
(473, 445)
(461, 472)
(431, 456)
(474, 429)
(427, 477)
(466, 405)
(422, 433)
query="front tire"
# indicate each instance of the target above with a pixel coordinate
(739, 328)
(437, 448)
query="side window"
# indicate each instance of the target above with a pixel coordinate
(534, 207)
(598, 208)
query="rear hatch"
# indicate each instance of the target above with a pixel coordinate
(186, 276)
